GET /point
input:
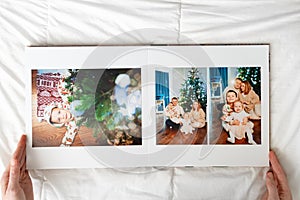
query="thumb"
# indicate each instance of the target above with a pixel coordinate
(271, 187)
(14, 174)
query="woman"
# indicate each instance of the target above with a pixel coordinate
(250, 99)
(197, 115)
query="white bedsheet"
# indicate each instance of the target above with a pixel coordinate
(92, 22)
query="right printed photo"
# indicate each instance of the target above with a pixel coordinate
(235, 105)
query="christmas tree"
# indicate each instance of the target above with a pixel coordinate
(251, 74)
(193, 89)
(111, 107)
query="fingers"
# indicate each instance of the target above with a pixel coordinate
(23, 171)
(20, 149)
(21, 154)
(265, 196)
(280, 177)
(4, 180)
(14, 173)
(277, 169)
(275, 162)
(11, 177)
(22, 160)
(16, 161)
(271, 187)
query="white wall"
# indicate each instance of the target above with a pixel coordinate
(232, 73)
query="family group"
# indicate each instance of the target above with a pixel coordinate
(185, 121)
(241, 105)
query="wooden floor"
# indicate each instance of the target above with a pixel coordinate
(47, 136)
(256, 135)
(219, 136)
(177, 137)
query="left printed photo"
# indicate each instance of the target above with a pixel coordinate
(86, 107)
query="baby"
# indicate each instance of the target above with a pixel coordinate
(170, 108)
(186, 124)
(174, 115)
(239, 124)
(63, 114)
(231, 97)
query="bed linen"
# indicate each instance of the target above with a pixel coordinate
(92, 22)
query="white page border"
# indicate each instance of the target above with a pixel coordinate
(147, 56)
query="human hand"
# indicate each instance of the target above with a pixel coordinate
(16, 182)
(276, 181)
(245, 121)
(223, 118)
(236, 122)
(245, 102)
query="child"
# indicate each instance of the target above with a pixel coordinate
(63, 114)
(236, 86)
(239, 124)
(170, 109)
(186, 124)
(231, 97)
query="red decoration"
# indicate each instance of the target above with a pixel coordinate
(46, 85)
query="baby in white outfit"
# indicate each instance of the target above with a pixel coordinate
(239, 124)
(186, 124)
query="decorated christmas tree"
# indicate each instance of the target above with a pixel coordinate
(251, 74)
(110, 101)
(193, 89)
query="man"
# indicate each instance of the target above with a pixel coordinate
(174, 113)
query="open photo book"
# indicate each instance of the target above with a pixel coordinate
(140, 106)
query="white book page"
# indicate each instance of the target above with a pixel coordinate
(216, 67)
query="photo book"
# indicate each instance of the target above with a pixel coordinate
(144, 106)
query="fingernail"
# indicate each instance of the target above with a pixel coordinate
(270, 174)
